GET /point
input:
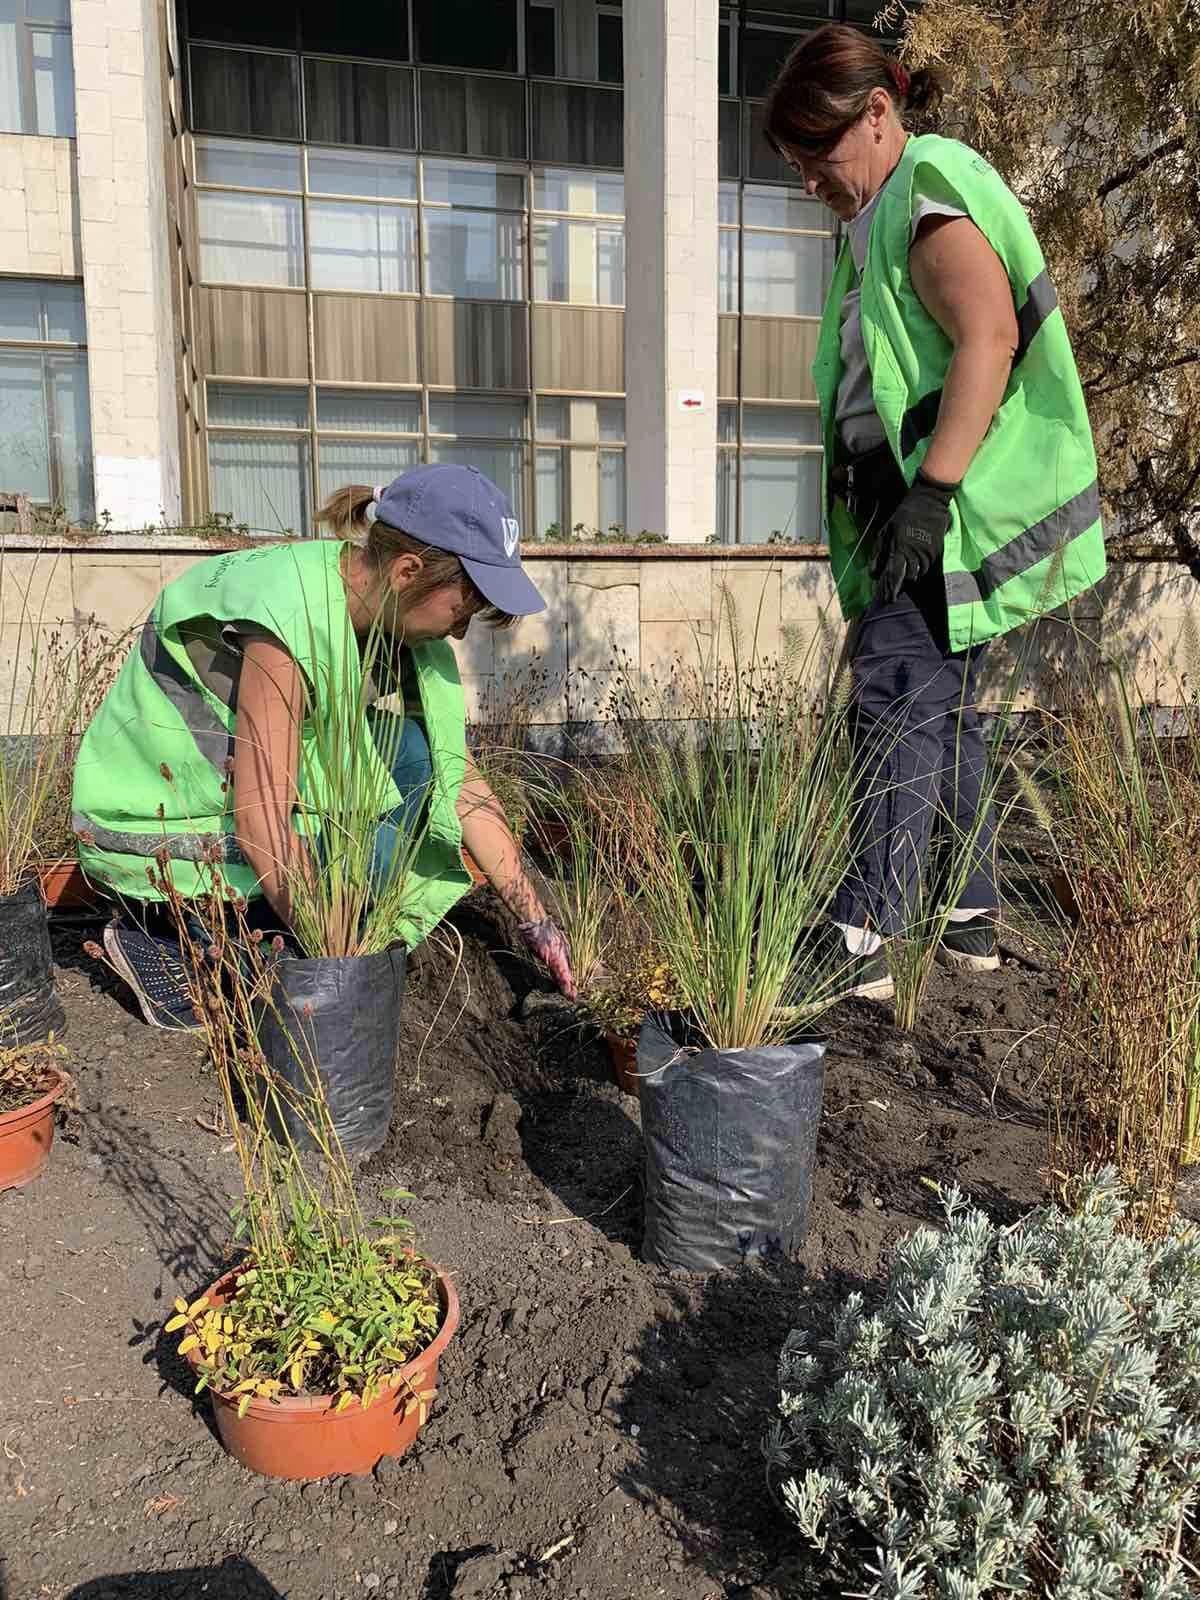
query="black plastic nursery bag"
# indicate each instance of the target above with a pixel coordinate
(29, 1008)
(343, 1017)
(730, 1143)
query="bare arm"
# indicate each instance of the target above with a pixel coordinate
(489, 838)
(962, 283)
(266, 757)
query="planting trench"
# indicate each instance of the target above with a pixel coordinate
(597, 1433)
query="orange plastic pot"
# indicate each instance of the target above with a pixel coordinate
(622, 1060)
(27, 1134)
(64, 887)
(304, 1438)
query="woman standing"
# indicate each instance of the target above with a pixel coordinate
(960, 472)
(198, 747)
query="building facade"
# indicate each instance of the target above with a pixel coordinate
(251, 253)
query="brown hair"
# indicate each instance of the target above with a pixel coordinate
(345, 514)
(824, 85)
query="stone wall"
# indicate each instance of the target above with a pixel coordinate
(39, 207)
(610, 609)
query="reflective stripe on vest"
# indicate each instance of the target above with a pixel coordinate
(178, 846)
(921, 418)
(213, 739)
(1051, 534)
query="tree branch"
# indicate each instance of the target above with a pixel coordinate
(1172, 147)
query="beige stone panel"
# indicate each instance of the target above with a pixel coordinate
(128, 141)
(137, 312)
(12, 164)
(476, 653)
(676, 591)
(37, 151)
(50, 266)
(130, 190)
(592, 696)
(141, 395)
(41, 190)
(129, 92)
(531, 668)
(35, 588)
(602, 574)
(175, 566)
(668, 644)
(807, 590)
(44, 236)
(103, 329)
(746, 610)
(97, 200)
(141, 355)
(93, 113)
(14, 250)
(126, 52)
(603, 627)
(118, 590)
(89, 22)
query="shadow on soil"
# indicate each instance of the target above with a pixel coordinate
(701, 1398)
(588, 1153)
(233, 1579)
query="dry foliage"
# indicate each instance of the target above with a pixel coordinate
(1092, 113)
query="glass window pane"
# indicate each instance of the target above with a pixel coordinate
(65, 322)
(344, 461)
(267, 22)
(247, 165)
(476, 255)
(726, 495)
(464, 33)
(500, 462)
(781, 498)
(363, 411)
(727, 269)
(260, 481)
(235, 405)
(727, 202)
(610, 420)
(781, 425)
(541, 41)
(375, 177)
(599, 193)
(249, 238)
(455, 183)
(239, 91)
(357, 28)
(53, 82)
(364, 248)
(24, 462)
(612, 491)
(10, 76)
(548, 489)
(577, 125)
(20, 309)
(610, 48)
(469, 116)
(785, 274)
(762, 54)
(71, 434)
(488, 419)
(582, 263)
(349, 102)
(726, 424)
(49, 11)
(767, 207)
(552, 419)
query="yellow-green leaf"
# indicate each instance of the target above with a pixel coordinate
(180, 1304)
(187, 1344)
(175, 1323)
(346, 1400)
(197, 1305)
(244, 1404)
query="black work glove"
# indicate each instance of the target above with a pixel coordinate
(913, 538)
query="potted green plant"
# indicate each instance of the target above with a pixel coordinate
(633, 983)
(320, 1348)
(745, 783)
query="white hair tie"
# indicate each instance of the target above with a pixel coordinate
(371, 511)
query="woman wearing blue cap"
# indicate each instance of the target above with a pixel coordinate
(196, 748)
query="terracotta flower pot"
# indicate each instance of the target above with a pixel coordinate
(64, 887)
(27, 1134)
(622, 1059)
(304, 1438)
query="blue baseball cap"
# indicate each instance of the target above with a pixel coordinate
(458, 510)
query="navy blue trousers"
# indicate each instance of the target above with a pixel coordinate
(920, 761)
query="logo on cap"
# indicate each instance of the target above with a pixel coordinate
(512, 534)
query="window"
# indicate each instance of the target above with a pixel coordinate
(541, 40)
(579, 466)
(464, 33)
(37, 78)
(787, 253)
(728, 198)
(242, 91)
(470, 252)
(769, 490)
(259, 457)
(390, 442)
(577, 261)
(45, 416)
(610, 46)
(488, 434)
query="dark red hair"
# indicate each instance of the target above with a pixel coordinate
(824, 85)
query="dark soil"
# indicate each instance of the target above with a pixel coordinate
(597, 1433)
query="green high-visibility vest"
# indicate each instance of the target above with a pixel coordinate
(153, 767)
(1025, 534)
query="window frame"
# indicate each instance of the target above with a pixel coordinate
(45, 350)
(25, 26)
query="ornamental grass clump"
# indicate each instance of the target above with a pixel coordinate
(1017, 1411)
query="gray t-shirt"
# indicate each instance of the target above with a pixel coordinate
(858, 422)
